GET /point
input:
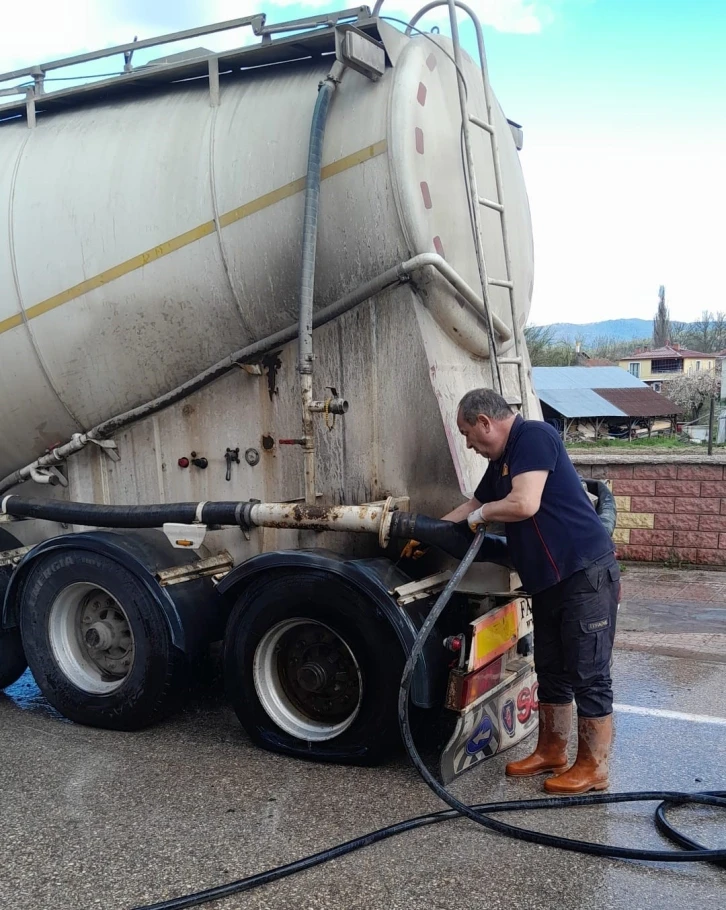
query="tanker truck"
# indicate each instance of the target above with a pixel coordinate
(242, 295)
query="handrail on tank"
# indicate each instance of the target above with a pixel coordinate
(257, 22)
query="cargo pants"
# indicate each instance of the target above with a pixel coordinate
(574, 632)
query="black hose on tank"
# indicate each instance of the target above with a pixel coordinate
(453, 538)
(107, 516)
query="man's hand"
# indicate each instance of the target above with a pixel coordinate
(475, 519)
(413, 550)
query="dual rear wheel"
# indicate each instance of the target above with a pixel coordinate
(311, 666)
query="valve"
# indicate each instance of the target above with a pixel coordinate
(231, 456)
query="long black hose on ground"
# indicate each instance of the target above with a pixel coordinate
(481, 813)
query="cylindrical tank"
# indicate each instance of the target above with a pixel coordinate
(147, 238)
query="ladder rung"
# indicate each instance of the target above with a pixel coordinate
(483, 124)
(497, 206)
(514, 400)
(500, 283)
(509, 359)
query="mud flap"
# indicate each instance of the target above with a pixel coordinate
(498, 722)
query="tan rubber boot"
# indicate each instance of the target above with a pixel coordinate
(590, 771)
(555, 722)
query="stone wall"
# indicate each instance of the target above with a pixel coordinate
(667, 510)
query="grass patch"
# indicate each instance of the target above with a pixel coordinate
(658, 442)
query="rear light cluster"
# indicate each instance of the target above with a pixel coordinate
(494, 635)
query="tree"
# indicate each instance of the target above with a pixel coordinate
(545, 350)
(692, 390)
(662, 322)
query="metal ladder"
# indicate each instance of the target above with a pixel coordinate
(477, 201)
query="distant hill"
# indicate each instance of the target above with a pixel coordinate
(614, 329)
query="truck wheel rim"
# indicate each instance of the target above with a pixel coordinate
(91, 638)
(307, 679)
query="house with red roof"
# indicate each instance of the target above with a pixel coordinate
(663, 364)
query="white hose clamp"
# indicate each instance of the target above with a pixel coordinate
(3, 507)
(200, 509)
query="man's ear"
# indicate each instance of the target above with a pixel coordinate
(484, 422)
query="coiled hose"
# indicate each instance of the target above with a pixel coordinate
(482, 812)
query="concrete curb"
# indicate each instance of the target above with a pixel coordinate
(691, 645)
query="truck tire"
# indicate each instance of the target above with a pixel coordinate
(96, 641)
(313, 669)
(12, 657)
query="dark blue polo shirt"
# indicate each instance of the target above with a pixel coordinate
(566, 535)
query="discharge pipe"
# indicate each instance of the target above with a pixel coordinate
(372, 518)
(307, 277)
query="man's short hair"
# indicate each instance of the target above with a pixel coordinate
(483, 401)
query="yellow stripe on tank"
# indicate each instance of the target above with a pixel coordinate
(188, 237)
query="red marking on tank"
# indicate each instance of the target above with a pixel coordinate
(421, 96)
(439, 247)
(419, 140)
(426, 193)
(431, 62)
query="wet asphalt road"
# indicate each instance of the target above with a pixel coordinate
(90, 818)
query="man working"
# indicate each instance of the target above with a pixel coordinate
(566, 561)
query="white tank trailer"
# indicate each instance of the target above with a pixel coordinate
(242, 294)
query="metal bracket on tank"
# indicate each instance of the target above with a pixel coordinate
(360, 52)
(108, 446)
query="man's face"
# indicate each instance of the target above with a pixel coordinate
(486, 437)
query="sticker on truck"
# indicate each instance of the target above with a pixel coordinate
(493, 726)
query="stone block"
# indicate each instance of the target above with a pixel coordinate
(621, 535)
(635, 520)
(651, 538)
(713, 488)
(611, 471)
(699, 506)
(700, 539)
(700, 472)
(640, 554)
(684, 521)
(678, 488)
(711, 557)
(655, 472)
(711, 522)
(652, 504)
(667, 554)
(634, 487)
(622, 503)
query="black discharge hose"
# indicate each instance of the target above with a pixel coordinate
(481, 813)
(110, 516)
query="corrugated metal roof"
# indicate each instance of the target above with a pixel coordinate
(579, 402)
(547, 378)
(640, 402)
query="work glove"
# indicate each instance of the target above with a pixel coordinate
(413, 550)
(474, 519)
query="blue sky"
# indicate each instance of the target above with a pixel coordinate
(624, 108)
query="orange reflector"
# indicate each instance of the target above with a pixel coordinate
(493, 635)
(185, 543)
